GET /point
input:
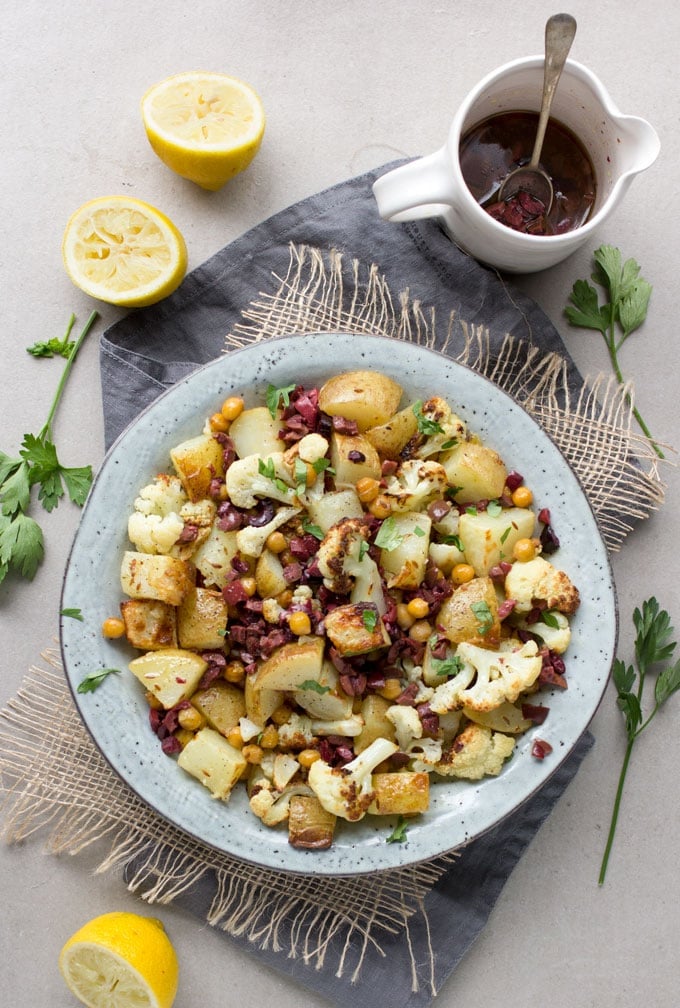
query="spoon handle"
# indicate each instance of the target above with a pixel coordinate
(560, 30)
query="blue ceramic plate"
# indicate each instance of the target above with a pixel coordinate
(117, 714)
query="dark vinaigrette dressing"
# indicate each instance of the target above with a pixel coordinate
(497, 145)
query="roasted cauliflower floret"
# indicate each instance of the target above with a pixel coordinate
(416, 483)
(346, 566)
(251, 539)
(440, 428)
(477, 752)
(253, 477)
(348, 791)
(538, 581)
(155, 525)
(271, 805)
(487, 678)
(553, 629)
(407, 724)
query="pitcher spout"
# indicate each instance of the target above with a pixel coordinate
(639, 144)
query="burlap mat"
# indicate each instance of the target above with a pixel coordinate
(346, 937)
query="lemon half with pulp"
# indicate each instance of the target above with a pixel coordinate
(207, 127)
(121, 960)
(123, 251)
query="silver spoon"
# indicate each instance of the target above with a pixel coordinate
(559, 35)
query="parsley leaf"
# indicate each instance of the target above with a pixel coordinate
(311, 529)
(387, 537)
(22, 545)
(398, 834)
(276, 397)
(72, 613)
(369, 618)
(484, 617)
(653, 648)
(57, 346)
(300, 475)
(447, 666)
(316, 687)
(93, 680)
(625, 311)
(426, 425)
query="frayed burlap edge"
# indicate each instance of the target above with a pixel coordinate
(618, 469)
(52, 777)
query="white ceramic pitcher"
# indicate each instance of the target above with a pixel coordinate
(620, 146)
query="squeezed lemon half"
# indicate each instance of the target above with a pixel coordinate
(123, 251)
(121, 960)
(206, 127)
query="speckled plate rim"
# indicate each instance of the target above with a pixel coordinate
(116, 715)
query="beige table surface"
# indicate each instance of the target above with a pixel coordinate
(347, 86)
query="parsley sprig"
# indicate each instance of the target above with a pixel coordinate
(653, 648)
(617, 318)
(21, 538)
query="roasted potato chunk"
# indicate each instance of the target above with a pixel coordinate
(390, 438)
(310, 826)
(471, 614)
(169, 675)
(163, 578)
(213, 761)
(197, 462)
(403, 793)
(367, 397)
(475, 471)
(353, 458)
(202, 619)
(222, 704)
(356, 628)
(149, 624)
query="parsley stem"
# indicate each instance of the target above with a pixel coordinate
(67, 368)
(613, 348)
(615, 812)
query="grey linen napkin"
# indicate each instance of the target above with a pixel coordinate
(148, 351)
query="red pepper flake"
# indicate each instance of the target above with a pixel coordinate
(179, 680)
(540, 749)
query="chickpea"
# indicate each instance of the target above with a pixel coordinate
(418, 608)
(235, 738)
(300, 624)
(276, 542)
(232, 407)
(269, 739)
(234, 671)
(421, 631)
(311, 474)
(524, 550)
(249, 585)
(380, 507)
(404, 617)
(113, 627)
(307, 757)
(391, 690)
(285, 598)
(522, 497)
(218, 423)
(367, 489)
(281, 715)
(252, 753)
(191, 719)
(462, 573)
